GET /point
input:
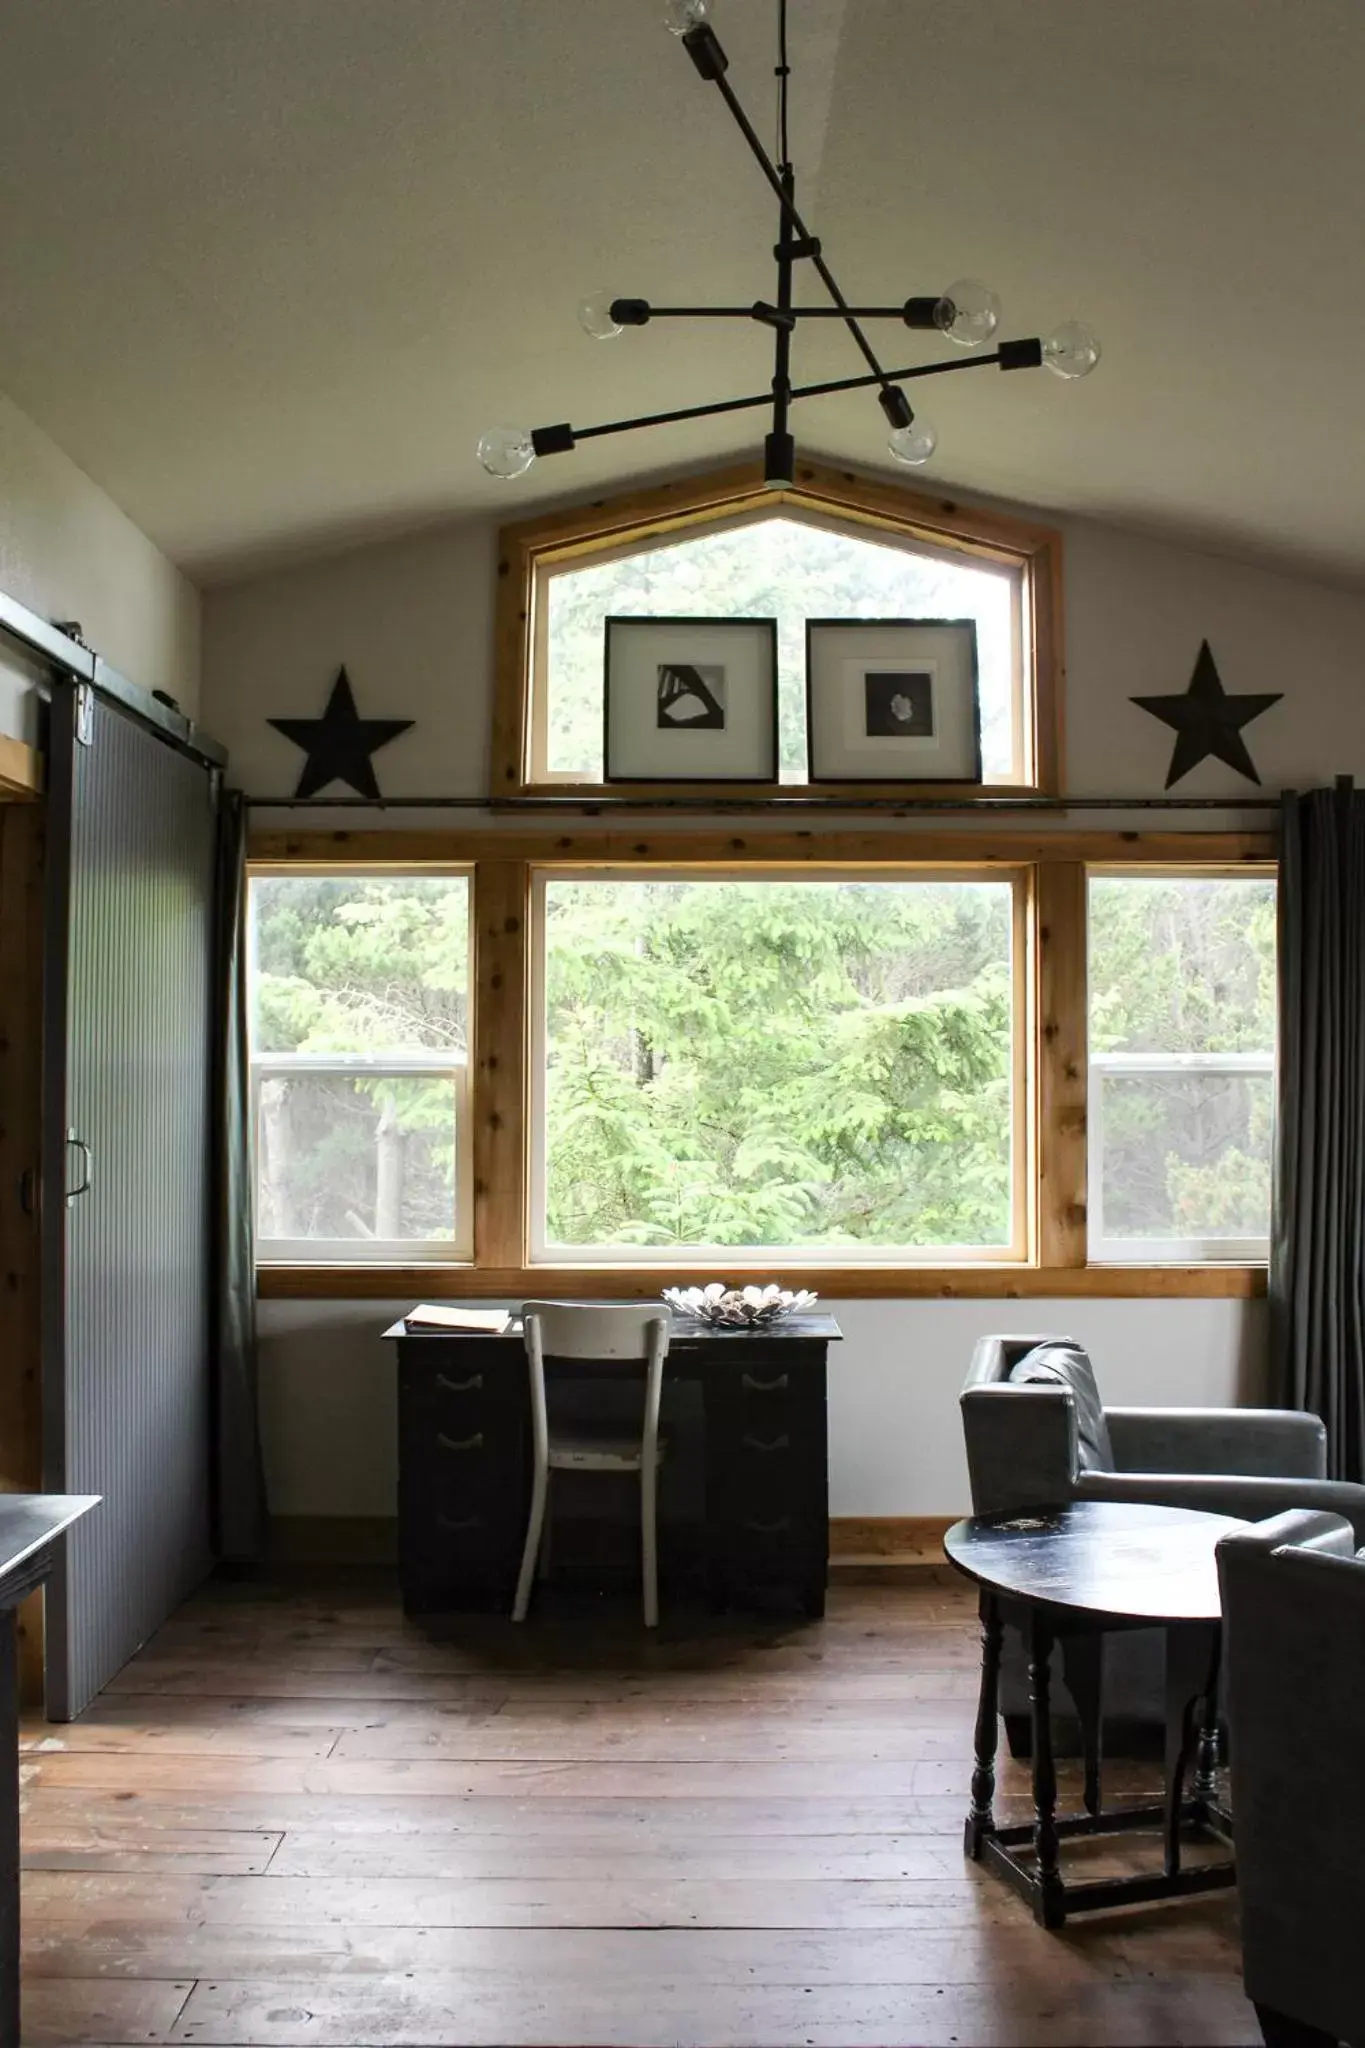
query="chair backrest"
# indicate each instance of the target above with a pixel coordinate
(629, 1334)
(578, 1329)
(1293, 1599)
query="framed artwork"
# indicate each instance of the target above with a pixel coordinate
(892, 700)
(690, 700)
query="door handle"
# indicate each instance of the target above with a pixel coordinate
(82, 1186)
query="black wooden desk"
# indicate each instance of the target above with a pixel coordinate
(30, 1524)
(1075, 1573)
(464, 1460)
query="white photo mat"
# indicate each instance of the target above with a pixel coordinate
(892, 700)
(690, 700)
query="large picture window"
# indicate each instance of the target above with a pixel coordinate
(829, 1065)
(360, 1029)
(1182, 1059)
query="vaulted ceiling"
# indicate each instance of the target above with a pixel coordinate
(267, 269)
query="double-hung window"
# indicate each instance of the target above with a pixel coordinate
(360, 1032)
(1182, 1065)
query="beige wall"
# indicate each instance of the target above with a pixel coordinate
(412, 620)
(895, 1441)
(67, 552)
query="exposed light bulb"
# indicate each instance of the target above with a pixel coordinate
(1073, 350)
(682, 15)
(914, 444)
(507, 451)
(968, 312)
(594, 316)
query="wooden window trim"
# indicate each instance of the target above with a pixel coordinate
(406, 1284)
(636, 519)
(21, 771)
(583, 843)
(1053, 989)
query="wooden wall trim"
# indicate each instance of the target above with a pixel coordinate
(879, 1542)
(856, 1542)
(837, 1283)
(21, 770)
(1060, 1093)
(741, 845)
(500, 1040)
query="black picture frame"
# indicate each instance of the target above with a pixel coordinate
(965, 630)
(688, 626)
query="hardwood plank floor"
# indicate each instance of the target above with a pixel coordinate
(297, 1818)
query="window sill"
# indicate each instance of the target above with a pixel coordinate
(977, 1282)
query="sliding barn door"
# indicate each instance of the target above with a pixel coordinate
(126, 1182)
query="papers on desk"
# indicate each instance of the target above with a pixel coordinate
(430, 1315)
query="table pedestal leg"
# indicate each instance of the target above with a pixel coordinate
(1050, 1909)
(981, 1819)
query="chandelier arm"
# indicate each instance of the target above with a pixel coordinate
(667, 419)
(794, 221)
(756, 311)
(570, 435)
(896, 376)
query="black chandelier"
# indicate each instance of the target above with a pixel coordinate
(967, 313)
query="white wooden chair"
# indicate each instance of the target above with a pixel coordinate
(556, 1329)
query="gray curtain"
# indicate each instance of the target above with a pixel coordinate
(239, 1490)
(1317, 1254)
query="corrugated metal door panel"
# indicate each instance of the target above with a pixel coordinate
(127, 1389)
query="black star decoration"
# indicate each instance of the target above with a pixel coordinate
(1207, 721)
(340, 743)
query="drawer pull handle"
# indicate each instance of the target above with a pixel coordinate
(770, 1528)
(470, 1386)
(768, 1443)
(464, 1443)
(753, 1386)
(458, 1528)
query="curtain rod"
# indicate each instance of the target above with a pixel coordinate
(901, 806)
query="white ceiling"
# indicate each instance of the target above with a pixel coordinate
(268, 268)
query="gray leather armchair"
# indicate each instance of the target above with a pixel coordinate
(1294, 1675)
(1032, 1446)
(1023, 1450)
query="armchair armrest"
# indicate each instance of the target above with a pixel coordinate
(1270, 1443)
(1021, 1446)
(1251, 1499)
(1299, 1529)
(993, 1357)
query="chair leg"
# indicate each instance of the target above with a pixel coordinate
(649, 1541)
(535, 1525)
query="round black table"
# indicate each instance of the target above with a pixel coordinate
(1070, 1575)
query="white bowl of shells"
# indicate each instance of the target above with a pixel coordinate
(737, 1308)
